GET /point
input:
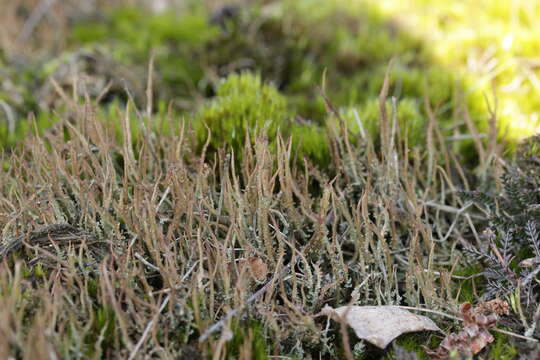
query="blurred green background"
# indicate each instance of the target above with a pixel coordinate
(233, 66)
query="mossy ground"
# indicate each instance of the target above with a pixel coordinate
(326, 138)
(292, 44)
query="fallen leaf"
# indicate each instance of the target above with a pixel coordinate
(381, 324)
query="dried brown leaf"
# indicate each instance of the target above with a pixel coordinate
(381, 324)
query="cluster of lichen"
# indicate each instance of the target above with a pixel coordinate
(379, 221)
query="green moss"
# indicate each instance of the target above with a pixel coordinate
(93, 288)
(42, 121)
(467, 288)
(90, 33)
(139, 30)
(131, 35)
(502, 348)
(250, 335)
(244, 104)
(413, 342)
(366, 118)
(292, 43)
(101, 335)
(311, 141)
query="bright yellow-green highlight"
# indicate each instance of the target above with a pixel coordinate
(493, 44)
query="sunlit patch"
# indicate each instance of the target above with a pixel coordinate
(493, 44)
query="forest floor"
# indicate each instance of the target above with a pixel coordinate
(211, 180)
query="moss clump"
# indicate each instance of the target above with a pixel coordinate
(311, 141)
(244, 105)
(249, 341)
(101, 334)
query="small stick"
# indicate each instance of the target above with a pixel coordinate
(506, 332)
(146, 262)
(148, 328)
(212, 329)
(167, 191)
(177, 287)
(151, 323)
(430, 311)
